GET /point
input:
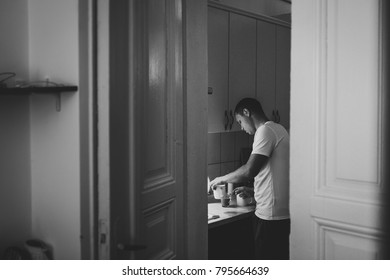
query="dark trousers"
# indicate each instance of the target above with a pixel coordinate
(272, 239)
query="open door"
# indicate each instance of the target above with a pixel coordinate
(337, 122)
(146, 130)
(144, 177)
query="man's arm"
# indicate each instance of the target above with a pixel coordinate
(245, 173)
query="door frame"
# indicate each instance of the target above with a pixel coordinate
(88, 128)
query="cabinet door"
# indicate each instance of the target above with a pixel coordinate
(242, 60)
(283, 46)
(266, 56)
(218, 57)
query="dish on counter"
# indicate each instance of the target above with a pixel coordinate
(212, 217)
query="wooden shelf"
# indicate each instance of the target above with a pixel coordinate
(36, 89)
(40, 89)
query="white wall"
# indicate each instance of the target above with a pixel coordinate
(55, 176)
(14, 37)
(39, 147)
(15, 193)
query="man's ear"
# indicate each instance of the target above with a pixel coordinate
(246, 112)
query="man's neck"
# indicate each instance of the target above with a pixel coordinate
(257, 121)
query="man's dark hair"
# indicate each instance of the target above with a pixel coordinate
(250, 104)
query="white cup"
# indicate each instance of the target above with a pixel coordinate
(219, 191)
(243, 201)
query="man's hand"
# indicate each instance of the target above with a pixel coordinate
(243, 192)
(217, 181)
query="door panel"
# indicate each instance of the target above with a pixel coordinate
(336, 133)
(159, 226)
(350, 151)
(155, 122)
(343, 241)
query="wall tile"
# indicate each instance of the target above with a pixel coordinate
(227, 146)
(227, 167)
(213, 170)
(242, 141)
(213, 148)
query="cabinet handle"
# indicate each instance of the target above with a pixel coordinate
(231, 119)
(277, 116)
(226, 120)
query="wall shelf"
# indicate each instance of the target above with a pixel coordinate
(40, 89)
(36, 89)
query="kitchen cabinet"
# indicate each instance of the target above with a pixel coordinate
(230, 234)
(282, 83)
(232, 241)
(266, 68)
(232, 66)
(273, 71)
(218, 75)
(248, 56)
(242, 62)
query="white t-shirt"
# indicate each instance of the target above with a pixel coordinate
(271, 186)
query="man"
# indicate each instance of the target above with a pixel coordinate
(268, 164)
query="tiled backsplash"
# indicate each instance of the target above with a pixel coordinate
(223, 151)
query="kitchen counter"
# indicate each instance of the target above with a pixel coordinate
(218, 215)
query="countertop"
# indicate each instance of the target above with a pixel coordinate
(227, 214)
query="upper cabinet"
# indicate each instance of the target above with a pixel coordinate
(266, 67)
(218, 70)
(242, 62)
(248, 57)
(282, 83)
(273, 71)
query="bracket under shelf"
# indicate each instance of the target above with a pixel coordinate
(58, 90)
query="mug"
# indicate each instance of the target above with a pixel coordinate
(219, 191)
(243, 201)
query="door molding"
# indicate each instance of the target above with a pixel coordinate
(331, 235)
(334, 177)
(88, 129)
(103, 128)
